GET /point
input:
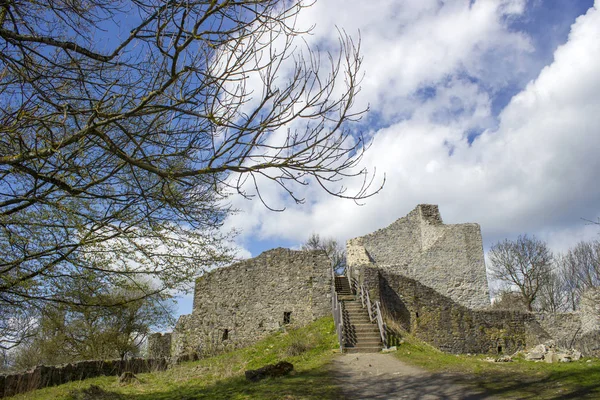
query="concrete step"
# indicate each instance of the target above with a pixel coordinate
(373, 342)
(351, 350)
(357, 319)
(364, 343)
(355, 322)
(362, 335)
(365, 326)
(353, 331)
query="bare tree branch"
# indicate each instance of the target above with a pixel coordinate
(119, 156)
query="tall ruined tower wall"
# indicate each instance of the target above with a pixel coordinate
(447, 258)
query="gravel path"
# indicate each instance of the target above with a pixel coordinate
(382, 376)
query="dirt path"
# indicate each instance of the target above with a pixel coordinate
(382, 376)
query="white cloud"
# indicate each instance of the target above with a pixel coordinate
(533, 170)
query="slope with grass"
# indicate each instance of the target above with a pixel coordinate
(222, 377)
(518, 379)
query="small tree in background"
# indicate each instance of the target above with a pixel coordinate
(506, 299)
(95, 323)
(580, 268)
(554, 295)
(524, 263)
(334, 251)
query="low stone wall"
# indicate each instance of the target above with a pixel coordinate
(447, 325)
(45, 376)
(564, 328)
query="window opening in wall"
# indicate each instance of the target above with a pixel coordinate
(225, 334)
(499, 349)
(287, 316)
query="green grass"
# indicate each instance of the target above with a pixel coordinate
(222, 377)
(518, 379)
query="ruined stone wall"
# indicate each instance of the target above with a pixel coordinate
(590, 310)
(243, 303)
(564, 328)
(454, 328)
(447, 258)
(447, 325)
(159, 345)
(45, 376)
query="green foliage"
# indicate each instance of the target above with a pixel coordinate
(222, 377)
(95, 322)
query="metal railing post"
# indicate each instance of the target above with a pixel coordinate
(336, 309)
(381, 325)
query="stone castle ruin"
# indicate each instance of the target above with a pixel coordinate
(446, 258)
(419, 274)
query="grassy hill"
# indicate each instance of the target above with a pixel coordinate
(222, 377)
(519, 379)
(310, 349)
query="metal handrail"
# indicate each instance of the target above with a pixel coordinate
(369, 306)
(374, 311)
(349, 275)
(381, 325)
(336, 308)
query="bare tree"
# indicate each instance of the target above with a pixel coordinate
(554, 294)
(334, 251)
(580, 267)
(118, 155)
(524, 264)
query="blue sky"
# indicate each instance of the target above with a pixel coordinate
(488, 108)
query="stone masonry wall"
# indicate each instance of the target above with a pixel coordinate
(564, 328)
(240, 304)
(447, 258)
(159, 345)
(454, 328)
(447, 325)
(590, 310)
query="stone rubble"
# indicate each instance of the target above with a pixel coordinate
(549, 352)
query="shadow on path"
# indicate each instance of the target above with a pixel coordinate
(382, 376)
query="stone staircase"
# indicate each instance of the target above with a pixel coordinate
(360, 334)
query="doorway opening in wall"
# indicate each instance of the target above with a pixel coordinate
(287, 317)
(499, 349)
(225, 334)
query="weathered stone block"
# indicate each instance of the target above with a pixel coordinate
(269, 371)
